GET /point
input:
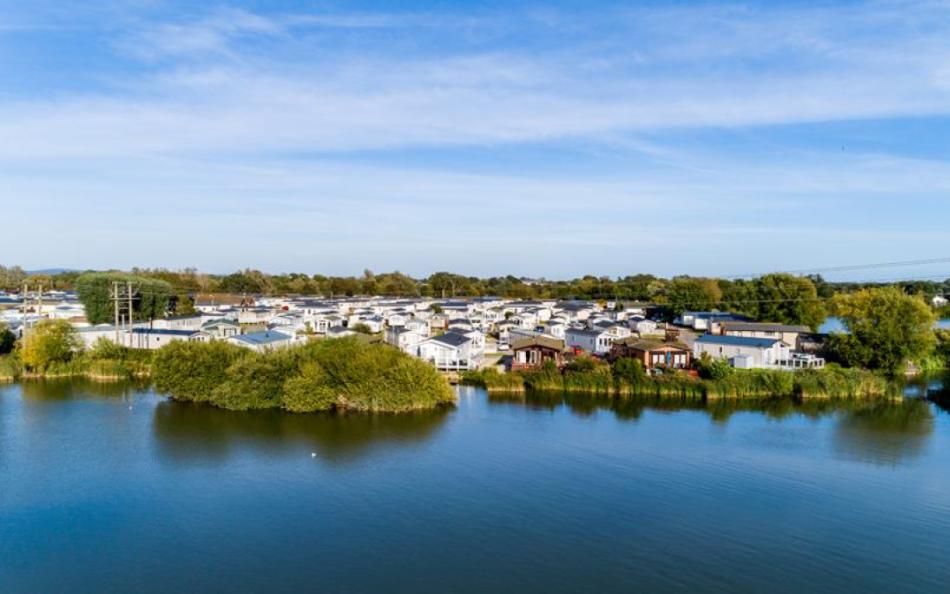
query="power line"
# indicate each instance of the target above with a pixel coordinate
(850, 268)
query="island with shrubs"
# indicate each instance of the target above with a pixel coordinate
(345, 374)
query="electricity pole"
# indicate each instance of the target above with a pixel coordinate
(115, 302)
(24, 307)
(129, 289)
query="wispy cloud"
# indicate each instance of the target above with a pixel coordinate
(293, 124)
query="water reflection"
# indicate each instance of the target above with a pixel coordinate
(77, 389)
(189, 431)
(876, 431)
(632, 408)
(885, 432)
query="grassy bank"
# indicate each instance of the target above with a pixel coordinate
(124, 364)
(601, 379)
(344, 374)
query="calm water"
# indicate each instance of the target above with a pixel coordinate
(833, 324)
(110, 489)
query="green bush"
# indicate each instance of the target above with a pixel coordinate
(256, 380)
(714, 369)
(629, 371)
(192, 370)
(49, 343)
(310, 390)
(346, 373)
(10, 368)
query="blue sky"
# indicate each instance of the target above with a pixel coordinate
(539, 139)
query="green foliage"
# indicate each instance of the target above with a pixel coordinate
(310, 390)
(10, 368)
(346, 373)
(247, 281)
(11, 279)
(48, 343)
(835, 381)
(192, 370)
(377, 378)
(104, 348)
(886, 329)
(493, 381)
(362, 328)
(629, 371)
(256, 380)
(787, 299)
(692, 294)
(942, 348)
(7, 339)
(184, 306)
(149, 297)
(713, 369)
(107, 360)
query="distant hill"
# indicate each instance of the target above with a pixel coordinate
(51, 271)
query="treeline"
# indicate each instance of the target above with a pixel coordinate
(681, 291)
(345, 374)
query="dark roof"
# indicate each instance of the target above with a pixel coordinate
(453, 339)
(219, 322)
(742, 341)
(762, 327)
(542, 341)
(721, 316)
(164, 332)
(584, 332)
(645, 344)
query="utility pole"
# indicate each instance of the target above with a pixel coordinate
(131, 320)
(39, 301)
(24, 307)
(115, 302)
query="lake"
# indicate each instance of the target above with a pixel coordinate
(111, 488)
(833, 324)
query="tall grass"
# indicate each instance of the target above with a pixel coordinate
(10, 368)
(596, 378)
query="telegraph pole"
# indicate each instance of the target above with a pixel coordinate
(131, 321)
(24, 307)
(115, 302)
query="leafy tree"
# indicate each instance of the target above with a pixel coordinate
(49, 342)
(7, 339)
(788, 299)
(184, 306)
(886, 328)
(692, 294)
(246, 281)
(149, 297)
(942, 349)
(362, 328)
(11, 279)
